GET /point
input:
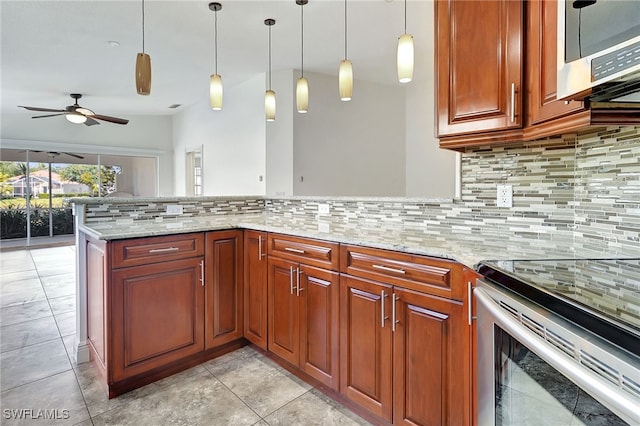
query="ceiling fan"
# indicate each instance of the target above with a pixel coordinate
(76, 114)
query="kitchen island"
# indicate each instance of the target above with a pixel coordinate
(422, 269)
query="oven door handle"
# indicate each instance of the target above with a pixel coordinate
(618, 401)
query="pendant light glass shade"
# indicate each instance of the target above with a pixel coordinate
(345, 72)
(270, 105)
(143, 67)
(215, 81)
(270, 95)
(215, 92)
(76, 118)
(143, 74)
(302, 95)
(345, 80)
(405, 58)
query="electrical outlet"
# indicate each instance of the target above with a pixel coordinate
(175, 209)
(504, 196)
(323, 227)
(323, 208)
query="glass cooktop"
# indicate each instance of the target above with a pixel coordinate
(601, 295)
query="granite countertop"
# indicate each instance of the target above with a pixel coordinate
(464, 246)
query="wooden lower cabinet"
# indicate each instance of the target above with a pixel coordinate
(404, 354)
(255, 288)
(366, 344)
(223, 289)
(303, 318)
(157, 315)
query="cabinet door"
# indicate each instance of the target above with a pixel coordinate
(479, 65)
(97, 300)
(318, 297)
(157, 315)
(366, 344)
(431, 365)
(542, 39)
(283, 312)
(223, 287)
(255, 288)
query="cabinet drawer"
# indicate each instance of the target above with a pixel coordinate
(140, 251)
(318, 253)
(421, 273)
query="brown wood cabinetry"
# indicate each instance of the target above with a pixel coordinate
(152, 309)
(157, 312)
(405, 349)
(255, 287)
(223, 290)
(303, 305)
(483, 94)
(479, 66)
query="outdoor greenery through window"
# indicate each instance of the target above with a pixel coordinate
(34, 195)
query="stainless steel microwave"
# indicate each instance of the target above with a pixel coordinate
(599, 50)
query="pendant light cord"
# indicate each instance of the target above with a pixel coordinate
(302, 41)
(345, 30)
(215, 36)
(269, 57)
(405, 16)
(142, 26)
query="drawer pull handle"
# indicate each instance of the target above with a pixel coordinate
(162, 250)
(294, 250)
(387, 269)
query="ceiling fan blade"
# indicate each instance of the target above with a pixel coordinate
(90, 121)
(48, 115)
(80, 157)
(109, 119)
(42, 109)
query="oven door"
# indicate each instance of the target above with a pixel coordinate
(536, 368)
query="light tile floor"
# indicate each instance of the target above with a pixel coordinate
(40, 383)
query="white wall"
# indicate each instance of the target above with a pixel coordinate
(233, 153)
(350, 148)
(144, 136)
(279, 137)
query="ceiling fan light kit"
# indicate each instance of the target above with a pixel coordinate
(76, 114)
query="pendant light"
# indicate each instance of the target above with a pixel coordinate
(270, 95)
(143, 66)
(345, 73)
(405, 53)
(302, 86)
(215, 81)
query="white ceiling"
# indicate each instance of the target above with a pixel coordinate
(53, 48)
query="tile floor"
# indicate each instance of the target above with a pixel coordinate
(40, 383)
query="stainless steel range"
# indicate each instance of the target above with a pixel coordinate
(558, 342)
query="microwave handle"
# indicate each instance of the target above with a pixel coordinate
(625, 405)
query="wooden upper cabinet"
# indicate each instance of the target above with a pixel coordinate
(542, 59)
(479, 66)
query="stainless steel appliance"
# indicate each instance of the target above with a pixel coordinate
(599, 50)
(549, 351)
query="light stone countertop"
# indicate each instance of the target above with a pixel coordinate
(464, 246)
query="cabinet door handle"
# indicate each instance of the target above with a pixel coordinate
(294, 250)
(202, 272)
(513, 102)
(382, 317)
(291, 279)
(298, 289)
(388, 269)
(164, 250)
(259, 247)
(394, 298)
(470, 316)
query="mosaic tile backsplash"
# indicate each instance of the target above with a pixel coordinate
(581, 188)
